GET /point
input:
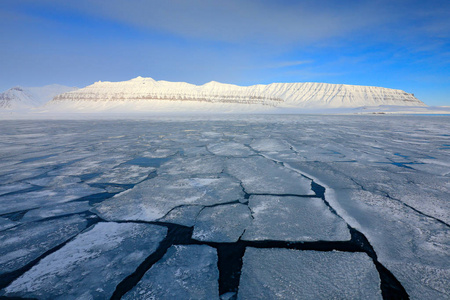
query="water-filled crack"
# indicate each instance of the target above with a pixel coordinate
(230, 258)
(7, 278)
(230, 255)
(390, 287)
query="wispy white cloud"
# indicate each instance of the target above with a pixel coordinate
(274, 24)
(234, 20)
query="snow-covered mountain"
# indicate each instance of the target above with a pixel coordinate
(27, 97)
(295, 95)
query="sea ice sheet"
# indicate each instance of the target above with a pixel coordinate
(294, 219)
(359, 159)
(91, 265)
(293, 274)
(230, 149)
(262, 176)
(56, 210)
(123, 174)
(270, 145)
(22, 244)
(412, 246)
(35, 199)
(183, 215)
(223, 223)
(152, 199)
(10, 188)
(55, 181)
(185, 272)
(6, 223)
(197, 165)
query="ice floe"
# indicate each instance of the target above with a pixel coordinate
(222, 223)
(293, 219)
(262, 176)
(291, 274)
(185, 272)
(92, 264)
(152, 199)
(23, 244)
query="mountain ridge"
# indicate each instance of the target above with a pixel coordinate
(298, 95)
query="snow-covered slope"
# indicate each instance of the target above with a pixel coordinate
(26, 97)
(302, 95)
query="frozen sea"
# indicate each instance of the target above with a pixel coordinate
(227, 207)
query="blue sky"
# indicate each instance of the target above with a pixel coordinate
(401, 44)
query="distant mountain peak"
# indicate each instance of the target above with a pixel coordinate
(19, 97)
(140, 78)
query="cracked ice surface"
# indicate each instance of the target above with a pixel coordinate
(123, 174)
(11, 188)
(262, 176)
(182, 215)
(55, 181)
(35, 199)
(92, 264)
(293, 219)
(56, 210)
(152, 199)
(289, 274)
(197, 165)
(229, 149)
(185, 272)
(223, 223)
(22, 244)
(386, 176)
(414, 247)
(5, 223)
